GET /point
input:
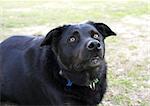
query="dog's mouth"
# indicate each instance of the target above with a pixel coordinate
(94, 61)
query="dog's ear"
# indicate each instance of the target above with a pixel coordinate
(53, 35)
(103, 29)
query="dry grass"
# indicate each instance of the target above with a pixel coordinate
(128, 57)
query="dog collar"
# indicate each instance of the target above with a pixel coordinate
(92, 85)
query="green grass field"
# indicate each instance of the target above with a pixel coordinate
(128, 54)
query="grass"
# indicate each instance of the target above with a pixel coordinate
(20, 13)
(127, 54)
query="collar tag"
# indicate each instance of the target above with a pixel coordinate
(69, 83)
(93, 84)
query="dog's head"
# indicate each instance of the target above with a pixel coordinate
(79, 49)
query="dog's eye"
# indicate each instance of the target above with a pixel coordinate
(95, 36)
(72, 39)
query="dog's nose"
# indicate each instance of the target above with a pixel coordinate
(92, 45)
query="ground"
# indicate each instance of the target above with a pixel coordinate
(127, 54)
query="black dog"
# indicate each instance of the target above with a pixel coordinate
(67, 67)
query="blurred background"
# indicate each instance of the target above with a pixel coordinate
(127, 54)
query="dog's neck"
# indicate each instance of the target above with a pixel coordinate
(69, 82)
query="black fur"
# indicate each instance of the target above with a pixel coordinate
(30, 68)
